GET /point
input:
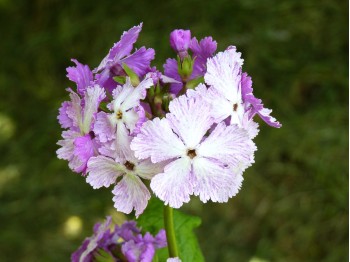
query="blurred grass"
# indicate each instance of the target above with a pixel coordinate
(293, 205)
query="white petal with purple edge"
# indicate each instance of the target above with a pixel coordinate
(189, 118)
(103, 171)
(158, 141)
(130, 119)
(130, 193)
(175, 185)
(224, 74)
(213, 181)
(66, 151)
(93, 97)
(104, 128)
(146, 169)
(137, 93)
(228, 144)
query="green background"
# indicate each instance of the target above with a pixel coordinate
(293, 205)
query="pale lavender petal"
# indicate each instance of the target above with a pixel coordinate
(228, 144)
(213, 181)
(120, 94)
(141, 114)
(63, 118)
(74, 109)
(103, 171)
(66, 151)
(174, 186)
(130, 119)
(158, 141)
(130, 193)
(122, 142)
(189, 119)
(146, 169)
(224, 74)
(140, 60)
(81, 75)
(137, 93)
(104, 128)
(93, 96)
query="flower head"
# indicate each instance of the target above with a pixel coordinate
(198, 164)
(120, 242)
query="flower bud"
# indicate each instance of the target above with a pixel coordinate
(180, 41)
(185, 67)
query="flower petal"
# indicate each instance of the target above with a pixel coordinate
(138, 93)
(140, 60)
(228, 144)
(146, 169)
(224, 74)
(130, 193)
(104, 128)
(63, 118)
(93, 96)
(174, 186)
(189, 119)
(213, 181)
(81, 75)
(121, 48)
(157, 140)
(102, 171)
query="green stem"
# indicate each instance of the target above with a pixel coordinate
(170, 232)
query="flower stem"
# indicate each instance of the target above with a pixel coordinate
(170, 232)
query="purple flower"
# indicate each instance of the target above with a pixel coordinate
(127, 114)
(231, 90)
(201, 52)
(198, 164)
(78, 143)
(120, 53)
(128, 238)
(102, 238)
(179, 41)
(130, 192)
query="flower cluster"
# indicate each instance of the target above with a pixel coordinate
(121, 243)
(188, 130)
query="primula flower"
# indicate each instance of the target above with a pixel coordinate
(120, 242)
(130, 192)
(127, 114)
(79, 143)
(120, 53)
(231, 90)
(198, 164)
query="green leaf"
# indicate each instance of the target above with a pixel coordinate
(135, 81)
(152, 221)
(103, 256)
